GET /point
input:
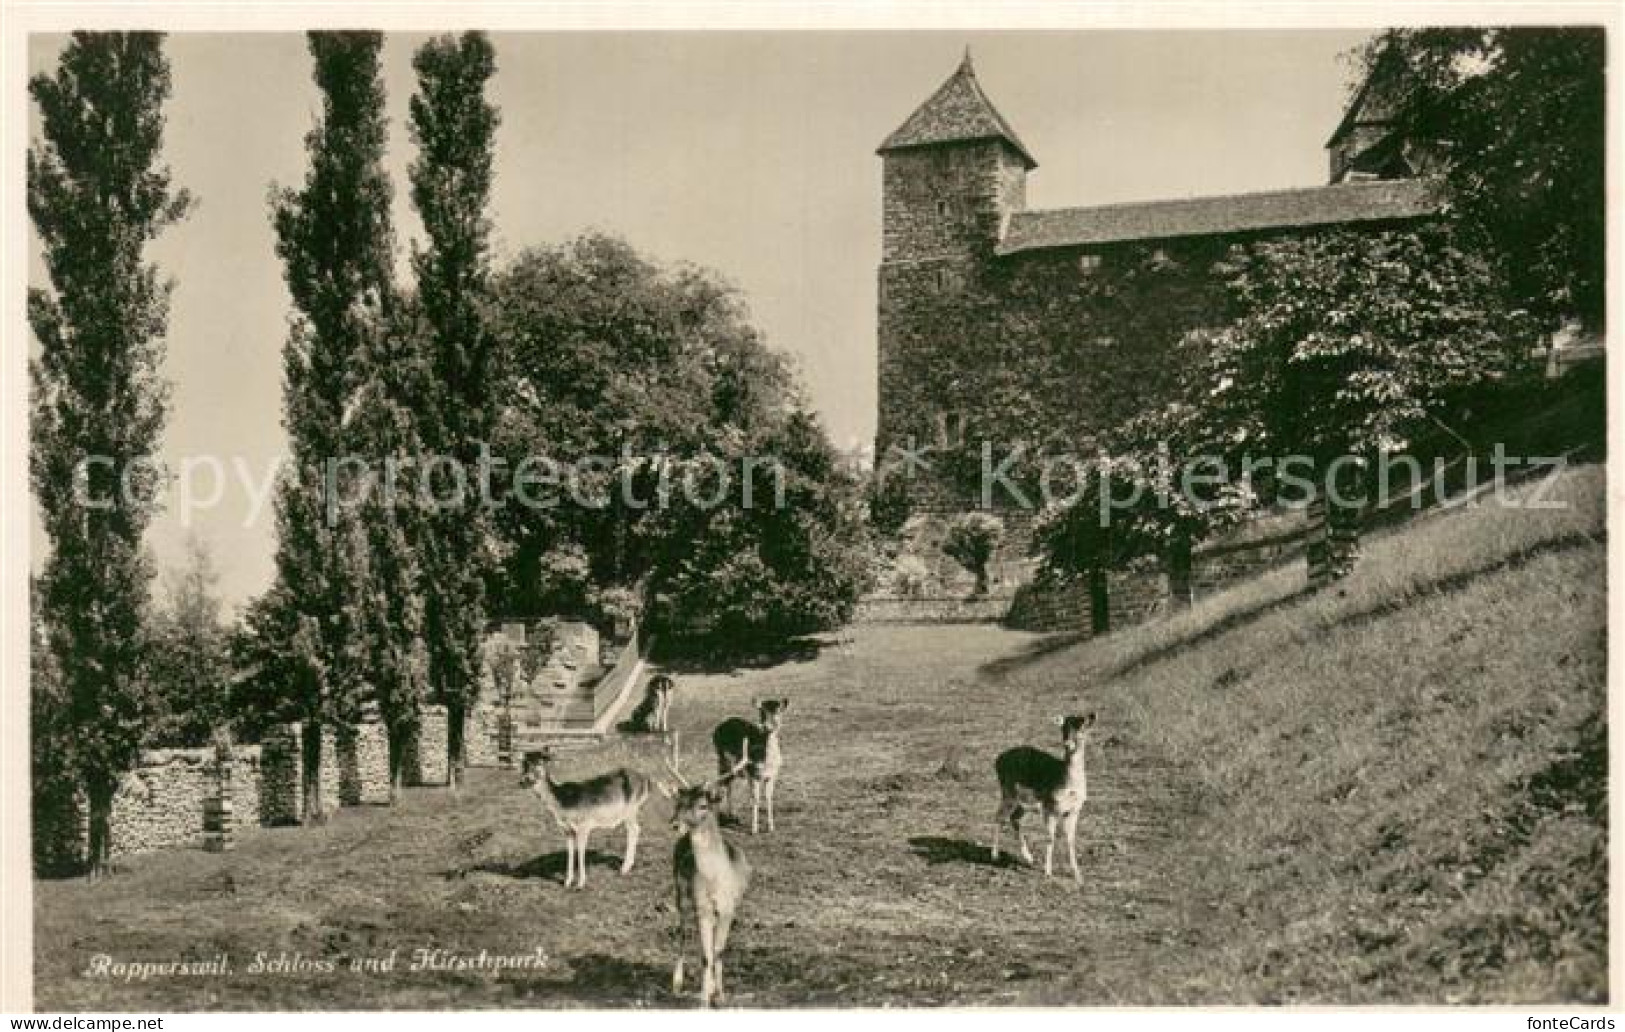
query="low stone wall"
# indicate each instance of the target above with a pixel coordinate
(160, 803)
(425, 758)
(1049, 604)
(878, 609)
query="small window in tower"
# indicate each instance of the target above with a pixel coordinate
(943, 207)
(1088, 264)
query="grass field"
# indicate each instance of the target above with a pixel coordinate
(1391, 792)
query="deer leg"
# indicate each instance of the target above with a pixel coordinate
(768, 790)
(1072, 844)
(1005, 813)
(681, 934)
(708, 957)
(631, 846)
(725, 922)
(1021, 836)
(755, 803)
(569, 858)
(581, 859)
(1051, 821)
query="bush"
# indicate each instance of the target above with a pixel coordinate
(971, 542)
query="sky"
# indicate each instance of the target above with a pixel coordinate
(749, 153)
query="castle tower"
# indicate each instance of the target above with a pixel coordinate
(953, 173)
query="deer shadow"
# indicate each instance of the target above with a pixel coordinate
(546, 867)
(618, 981)
(934, 849)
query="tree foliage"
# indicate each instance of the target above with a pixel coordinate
(189, 671)
(349, 370)
(454, 127)
(1521, 113)
(1347, 342)
(775, 547)
(637, 381)
(98, 194)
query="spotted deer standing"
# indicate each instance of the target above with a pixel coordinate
(653, 712)
(582, 807)
(756, 747)
(711, 874)
(1031, 779)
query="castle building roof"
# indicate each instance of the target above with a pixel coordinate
(1385, 200)
(958, 112)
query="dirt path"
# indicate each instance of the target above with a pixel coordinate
(876, 889)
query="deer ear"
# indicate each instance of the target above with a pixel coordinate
(1089, 721)
(1060, 721)
(784, 704)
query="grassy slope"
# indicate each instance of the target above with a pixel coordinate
(1404, 781)
(1388, 793)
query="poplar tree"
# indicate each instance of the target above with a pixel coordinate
(98, 193)
(335, 240)
(454, 126)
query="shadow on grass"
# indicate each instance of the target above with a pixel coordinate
(616, 980)
(547, 867)
(720, 655)
(934, 849)
(1045, 646)
(1060, 642)
(1218, 628)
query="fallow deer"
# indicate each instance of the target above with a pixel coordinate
(653, 712)
(711, 875)
(756, 747)
(1033, 779)
(582, 807)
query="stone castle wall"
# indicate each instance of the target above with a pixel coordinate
(943, 209)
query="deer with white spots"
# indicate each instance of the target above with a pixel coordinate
(711, 875)
(756, 747)
(582, 807)
(1031, 779)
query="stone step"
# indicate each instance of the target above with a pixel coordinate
(557, 740)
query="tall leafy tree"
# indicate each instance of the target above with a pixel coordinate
(189, 672)
(454, 126)
(335, 240)
(98, 193)
(1346, 344)
(658, 376)
(1520, 113)
(391, 526)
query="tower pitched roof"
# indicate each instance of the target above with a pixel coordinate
(958, 112)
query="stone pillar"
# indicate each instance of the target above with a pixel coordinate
(219, 824)
(369, 764)
(282, 769)
(427, 749)
(331, 770)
